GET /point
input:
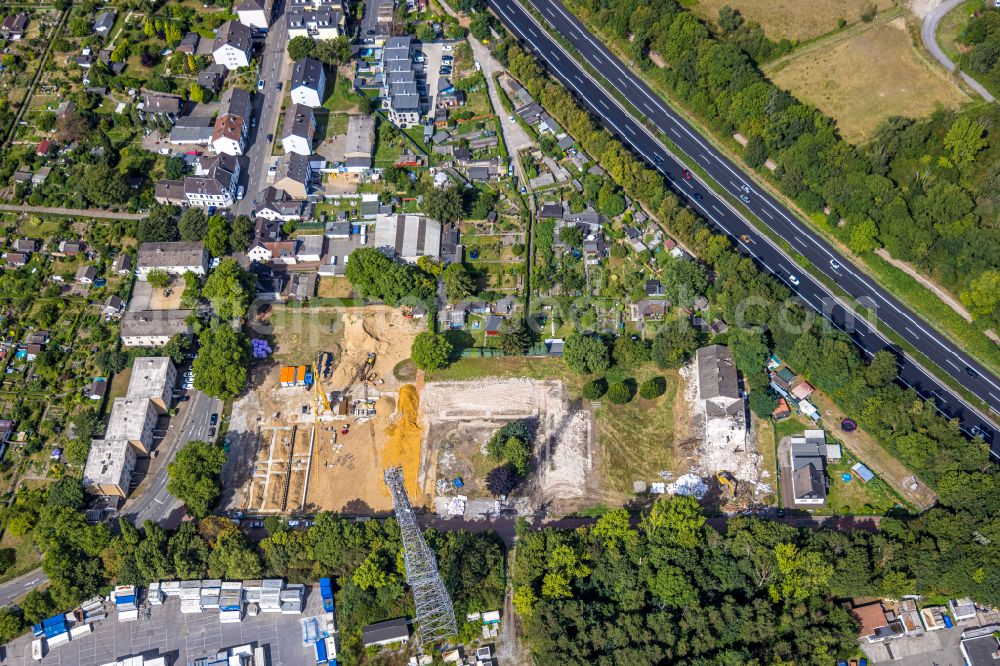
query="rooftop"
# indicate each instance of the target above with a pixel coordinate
(182, 253)
(307, 72)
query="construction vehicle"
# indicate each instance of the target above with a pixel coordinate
(367, 367)
(726, 480)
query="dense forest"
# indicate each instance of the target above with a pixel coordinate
(928, 190)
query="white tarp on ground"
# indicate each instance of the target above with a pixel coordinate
(688, 484)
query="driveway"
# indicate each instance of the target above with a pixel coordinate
(928, 33)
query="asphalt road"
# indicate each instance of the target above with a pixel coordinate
(728, 220)
(16, 588)
(151, 501)
(274, 67)
(928, 33)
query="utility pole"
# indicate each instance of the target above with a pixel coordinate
(435, 614)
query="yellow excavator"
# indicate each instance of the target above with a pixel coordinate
(726, 480)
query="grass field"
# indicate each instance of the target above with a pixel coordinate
(791, 19)
(26, 556)
(841, 79)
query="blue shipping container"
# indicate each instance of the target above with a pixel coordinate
(37, 630)
(55, 630)
(320, 652)
(54, 620)
(124, 600)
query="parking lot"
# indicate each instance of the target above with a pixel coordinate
(183, 637)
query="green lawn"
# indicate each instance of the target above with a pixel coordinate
(341, 97)
(26, 556)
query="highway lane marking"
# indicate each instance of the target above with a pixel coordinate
(697, 140)
(782, 267)
(949, 362)
(551, 13)
(532, 31)
(602, 103)
(799, 241)
(911, 332)
(764, 210)
(630, 130)
(717, 210)
(991, 394)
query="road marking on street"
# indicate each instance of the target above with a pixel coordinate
(717, 210)
(630, 130)
(551, 13)
(952, 364)
(158, 500)
(674, 131)
(911, 332)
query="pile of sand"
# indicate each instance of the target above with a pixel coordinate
(402, 444)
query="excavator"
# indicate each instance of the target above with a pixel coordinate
(367, 367)
(726, 480)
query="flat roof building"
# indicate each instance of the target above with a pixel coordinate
(153, 378)
(153, 328)
(408, 237)
(173, 258)
(109, 467)
(133, 420)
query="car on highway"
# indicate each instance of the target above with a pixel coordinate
(745, 199)
(698, 196)
(969, 371)
(746, 188)
(658, 160)
(744, 238)
(794, 280)
(687, 174)
(213, 419)
(834, 264)
(260, 84)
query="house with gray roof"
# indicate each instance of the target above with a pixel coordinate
(308, 83)
(104, 22)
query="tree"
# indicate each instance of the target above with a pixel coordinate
(11, 624)
(193, 225)
(674, 343)
(864, 236)
(425, 33)
(586, 354)
(191, 296)
(676, 520)
(511, 444)
(500, 481)
(217, 236)
(430, 350)
(983, 294)
(755, 152)
(652, 388)
(175, 169)
(749, 349)
(610, 201)
(240, 233)
(194, 476)
(881, 369)
(375, 275)
(801, 574)
(233, 558)
(221, 367)
(66, 491)
(159, 279)
(572, 236)
(159, 226)
(444, 205)
(333, 52)
(620, 393)
(301, 47)
(515, 336)
(965, 139)
(196, 92)
(458, 282)
(229, 288)
(594, 389)
(630, 351)
(729, 19)
(480, 26)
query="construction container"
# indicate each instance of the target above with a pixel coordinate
(58, 639)
(260, 657)
(252, 610)
(158, 661)
(291, 607)
(191, 605)
(252, 594)
(37, 649)
(331, 647)
(232, 585)
(128, 616)
(249, 585)
(326, 592)
(92, 604)
(320, 648)
(80, 630)
(96, 616)
(229, 616)
(155, 597)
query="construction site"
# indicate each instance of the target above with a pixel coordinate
(317, 436)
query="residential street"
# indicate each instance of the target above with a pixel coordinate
(14, 589)
(150, 500)
(274, 67)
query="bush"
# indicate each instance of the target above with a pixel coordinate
(652, 388)
(593, 390)
(430, 351)
(620, 393)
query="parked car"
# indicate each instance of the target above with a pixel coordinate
(277, 86)
(260, 84)
(270, 138)
(213, 419)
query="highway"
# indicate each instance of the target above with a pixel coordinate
(725, 218)
(16, 588)
(274, 67)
